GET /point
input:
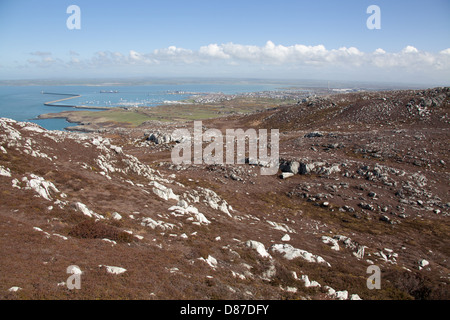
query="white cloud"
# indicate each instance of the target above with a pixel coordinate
(173, 54)
(269, 54)
(230, 57)
(213, 51)
(135, 56)
(410, 49)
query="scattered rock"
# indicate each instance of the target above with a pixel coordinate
(116, 216)
(306, 168)
(314, 134)
(40, 186)
(211, 261)
(423, 263)
(149, 222)
(348, 208)
(5, 172)
(163, 191)
(114, 270)
(367, 206)
(285, 175)
(290, 167)
(308, 283)
(385, 219)
(86, 211)
(341, 295)
(290, 253)
(259, 247)
(334, 243)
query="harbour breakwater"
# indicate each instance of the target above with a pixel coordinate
(56, 103)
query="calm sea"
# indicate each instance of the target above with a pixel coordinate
(25, 103)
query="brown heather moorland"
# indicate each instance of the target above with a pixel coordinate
(369, 186)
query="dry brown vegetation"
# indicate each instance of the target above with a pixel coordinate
(390, 195)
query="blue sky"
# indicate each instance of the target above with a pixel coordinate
(246, 38)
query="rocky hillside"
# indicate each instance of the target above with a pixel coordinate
(363, 181)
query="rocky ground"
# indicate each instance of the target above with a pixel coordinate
(363, 180)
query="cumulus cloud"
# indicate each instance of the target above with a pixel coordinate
(410, 49)
(273, 54)
(136, 56)
(174, 55)
(298, 55)
(270, 56)
(379, 51)
(213, 51)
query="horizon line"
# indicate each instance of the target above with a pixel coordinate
(123, 81)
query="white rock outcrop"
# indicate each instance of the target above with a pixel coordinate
(163, 191)
(149, 222)
(309, 283)
(290, 253)
(40, 186)
(5, 172)
(114, 270)
(196, 216)
(211, 261)
(259, 247)
(341, 295)
(334, 243)
(86, 211)
(116, 216)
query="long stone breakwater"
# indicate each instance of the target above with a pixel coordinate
(56, 103)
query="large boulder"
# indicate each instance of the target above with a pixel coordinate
(165, 138)
(160, 138)
(290, 166)
(259, 247)
(306, 168)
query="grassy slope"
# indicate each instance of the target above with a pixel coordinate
(183, 112)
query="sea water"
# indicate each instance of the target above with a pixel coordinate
(25, 103)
